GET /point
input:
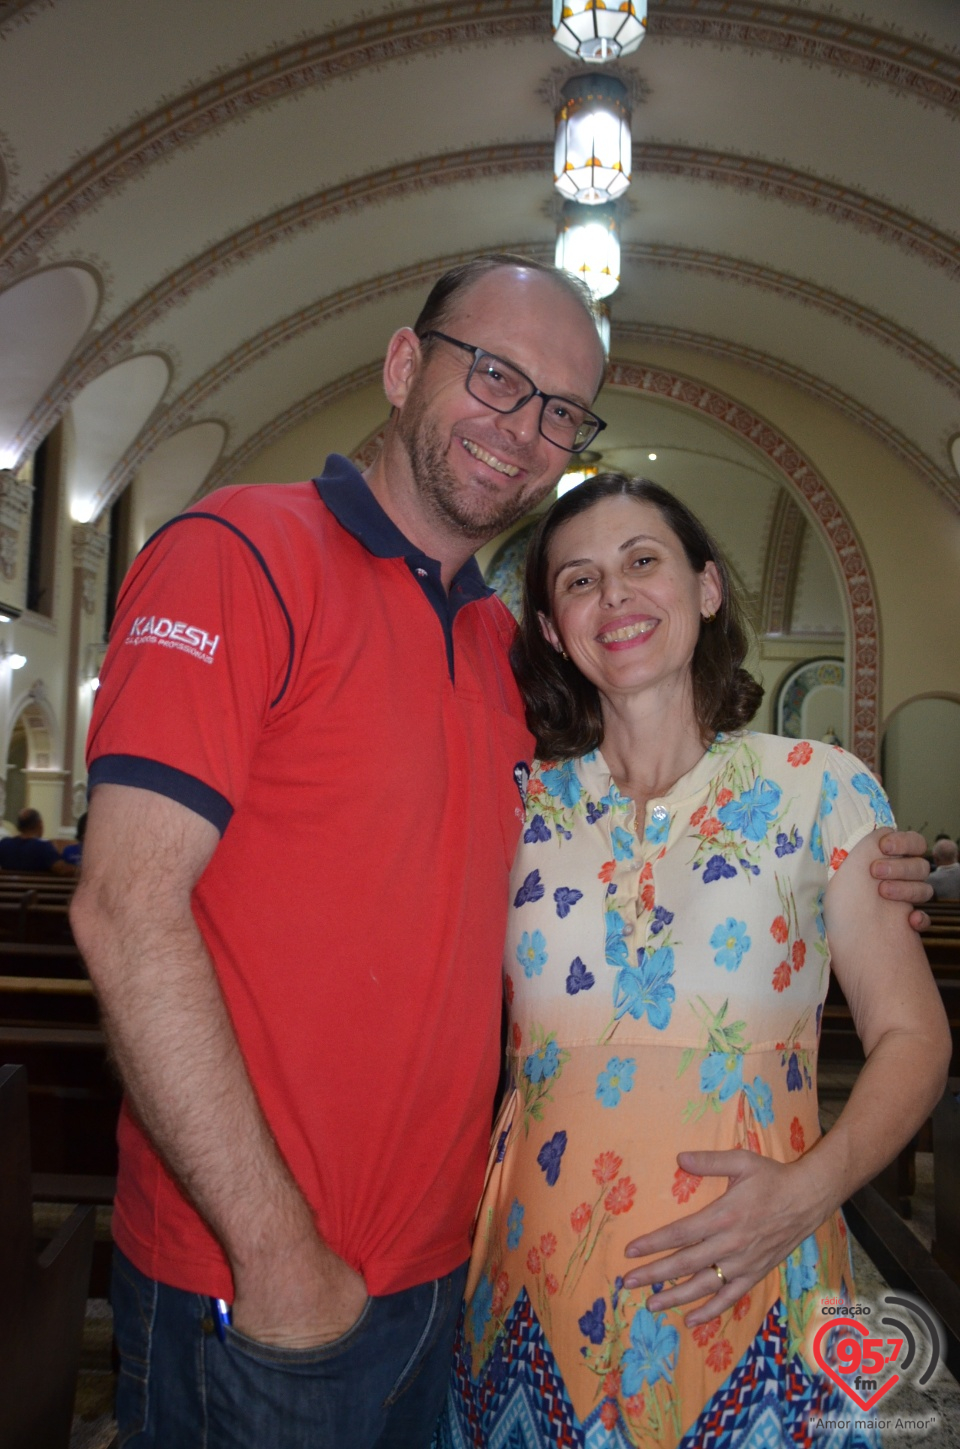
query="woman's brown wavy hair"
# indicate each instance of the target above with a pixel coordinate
(563, 708)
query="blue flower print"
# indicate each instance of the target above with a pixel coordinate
(787, 844)
(828, 793)
(617, 1290)
(866, 785)
(661, 917)
(550, 1156)
(580, 979)
(595, 812)
(731, 942)
(531, 890)
(532, 953)
(481, 1308)
(593, 1323)
(794, 1076)
(616, 942)
(718, 869)
(802, 1267)
(722, 1074)
(538, 829)
(657, 831)
(754, 812)
(622, 843)
(515, 1224)
(652, 1355)
(816, 844)
(616, 1079)
(541, 1065)
(647, 988)
(760, 1098)
(565, 897)
(613, 799)
(562, 783)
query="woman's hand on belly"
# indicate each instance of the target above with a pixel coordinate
(767, 1209)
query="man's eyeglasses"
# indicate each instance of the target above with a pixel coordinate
(506, 389)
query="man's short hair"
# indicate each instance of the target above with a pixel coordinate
(441, 301)
(29, 819)
(945, 851)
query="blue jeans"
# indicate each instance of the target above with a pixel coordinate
(380, 1386)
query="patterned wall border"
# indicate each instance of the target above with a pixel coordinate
(803, 480)
(784, 547)
(942, 482)
(764, 179)
(846, 47)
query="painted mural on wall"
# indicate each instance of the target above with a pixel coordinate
(505, 570)
(811, 702)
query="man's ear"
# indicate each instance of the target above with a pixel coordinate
(549, 632)
(401, 365)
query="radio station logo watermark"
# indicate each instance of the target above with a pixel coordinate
(173, 634)
(869, 1351)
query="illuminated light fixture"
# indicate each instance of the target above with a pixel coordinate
(588, 246)
(95, 684)
(594, 31)
(603, 327)
(587, 465)
(16, 661)
(593, 152)
(81, 510)
(652, 457)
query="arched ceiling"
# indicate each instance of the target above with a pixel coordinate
(262, 193)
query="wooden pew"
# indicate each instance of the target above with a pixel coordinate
(946, 1180)
(43, 1298)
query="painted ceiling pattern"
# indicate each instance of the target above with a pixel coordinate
(259, 198)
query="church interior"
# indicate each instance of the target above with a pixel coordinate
(212, 218)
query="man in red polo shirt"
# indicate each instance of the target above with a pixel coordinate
(306, 760)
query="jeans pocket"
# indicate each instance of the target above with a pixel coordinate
(134, 1300)
(271, 1355)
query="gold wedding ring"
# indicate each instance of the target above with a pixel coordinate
(719, 1273)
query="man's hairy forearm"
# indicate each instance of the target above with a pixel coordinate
(174, 1044)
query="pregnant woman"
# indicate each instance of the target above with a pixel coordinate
(661, 1216)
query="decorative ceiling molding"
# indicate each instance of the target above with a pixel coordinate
(946, 486)
(847, 47)
(781, 565)
(911, 68)
(229, 465)
(819, 501)
(232, 96)
(864, 319)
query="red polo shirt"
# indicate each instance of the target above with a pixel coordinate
(285, 663)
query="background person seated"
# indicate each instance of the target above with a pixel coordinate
(73, 854)
(27, 850)
(945, 876)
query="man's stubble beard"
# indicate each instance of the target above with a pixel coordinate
(441, 490)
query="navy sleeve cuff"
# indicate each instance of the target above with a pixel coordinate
(177, 785)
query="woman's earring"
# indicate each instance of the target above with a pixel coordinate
(564, 654)
(709, 618)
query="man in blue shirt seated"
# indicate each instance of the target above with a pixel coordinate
(27, 851)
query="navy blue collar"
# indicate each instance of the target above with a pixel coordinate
(344, 491)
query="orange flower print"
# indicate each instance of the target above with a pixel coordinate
(606, 1167)
(517, 1036)
(605, 873)
(753, 1142)
(799, 954)
(611, 1384)
(703, 1332)
(723, 798)
(837, 859)
(800, 754)
(711, 826)
(742, 1307)
(698, 815)
(535, 786)
(620, 1197)
(797, 1139)
(551, 1283)
(533, 1261)
(580, 1217)
(635, 1406)
(648, 898)
(781, 977)
(508, 989)
(608, 1414)
(779, 930)
(548, 1245)
(501, 1290)
(684, 1185)
(720, 1356)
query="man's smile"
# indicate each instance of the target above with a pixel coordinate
(475, 450)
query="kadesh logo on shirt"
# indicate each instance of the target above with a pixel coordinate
(149, 629)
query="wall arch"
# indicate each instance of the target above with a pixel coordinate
(44, 748)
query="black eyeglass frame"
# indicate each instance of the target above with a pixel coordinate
(545, 397)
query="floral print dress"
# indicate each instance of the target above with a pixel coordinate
(665, 981)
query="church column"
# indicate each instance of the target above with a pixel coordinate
(89, 547)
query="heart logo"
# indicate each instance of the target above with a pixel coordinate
(831, 1372)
